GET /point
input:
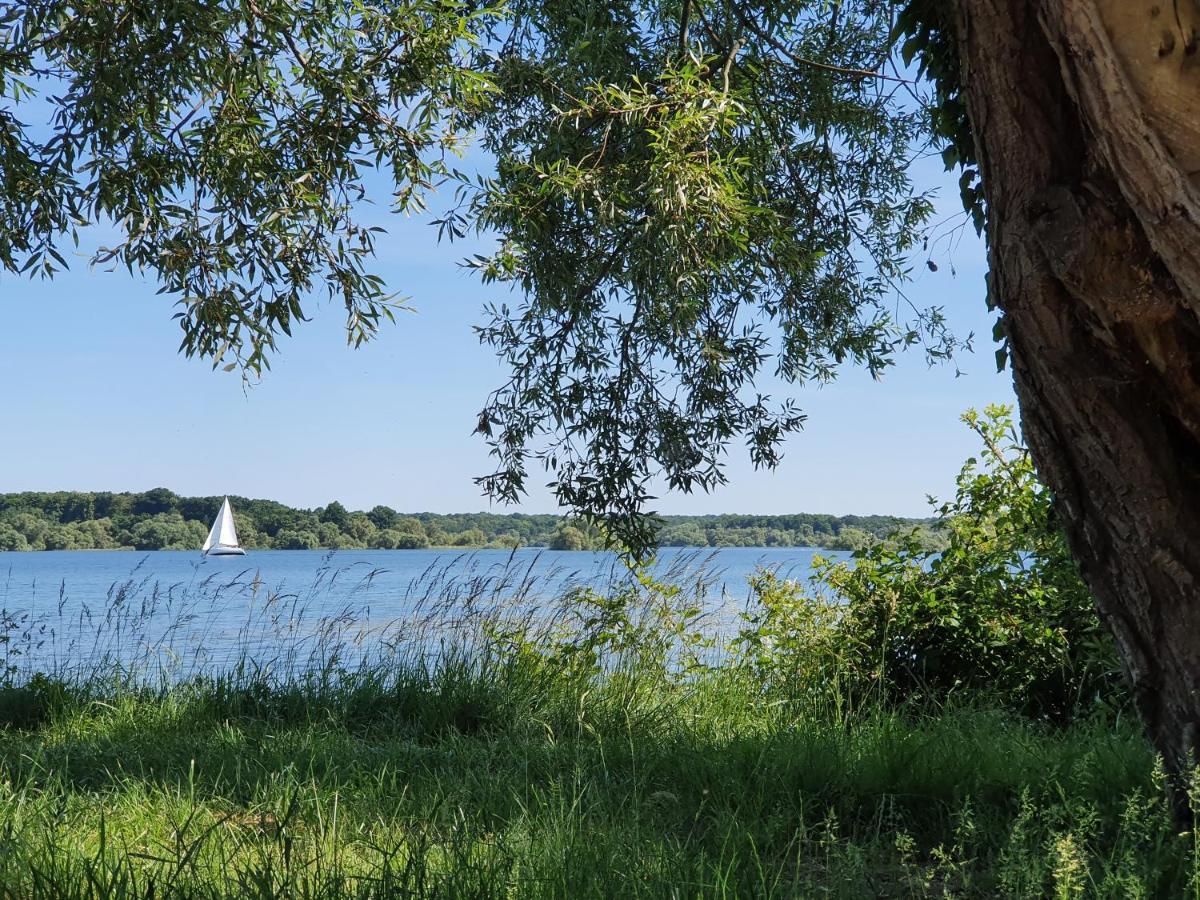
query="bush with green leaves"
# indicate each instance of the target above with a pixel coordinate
(790, 643)
(1000, 612)
(11, 539)
(394, 539)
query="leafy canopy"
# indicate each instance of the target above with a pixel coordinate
(688, 197)
(227, 144)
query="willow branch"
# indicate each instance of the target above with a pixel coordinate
(749, 23)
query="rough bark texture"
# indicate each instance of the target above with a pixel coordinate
(1086, 117)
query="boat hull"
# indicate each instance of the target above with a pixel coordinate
(225, 551)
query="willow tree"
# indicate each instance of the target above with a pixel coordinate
(1085, 122)
(688, 194)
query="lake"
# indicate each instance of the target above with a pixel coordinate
(75, 610)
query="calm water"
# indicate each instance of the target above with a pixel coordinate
(67, 609)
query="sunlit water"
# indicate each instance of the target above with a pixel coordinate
(294, 609)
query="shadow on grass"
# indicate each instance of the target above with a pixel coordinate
(477, 744)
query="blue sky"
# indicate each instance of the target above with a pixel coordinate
(97, 398)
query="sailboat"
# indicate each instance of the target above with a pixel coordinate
(223, 539)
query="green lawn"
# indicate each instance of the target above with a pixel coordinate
(527, 778)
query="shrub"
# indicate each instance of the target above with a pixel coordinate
(791, 641)
(1000, 612)
(393, 539)
(295, 539)
(11, 539)
(568, 537)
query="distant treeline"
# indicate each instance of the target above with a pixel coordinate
(161, 520)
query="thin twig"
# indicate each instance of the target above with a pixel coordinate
(748, 22)
(729, 58)
(683, 26)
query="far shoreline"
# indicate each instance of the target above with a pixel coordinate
(540, 548)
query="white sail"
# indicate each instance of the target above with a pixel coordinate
(223, 534)
(212, 535)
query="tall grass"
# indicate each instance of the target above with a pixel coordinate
(496, 742)
(231, 618)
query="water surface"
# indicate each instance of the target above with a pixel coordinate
(73, 609)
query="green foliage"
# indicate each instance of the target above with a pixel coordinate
(167, 531)
(226, 144)
(335, 514)
(686, 197)
(384, 517)
(62, 521)
(393, 539)
(574, 534)
(327, 533)
(924, 33)
(11, 539)
(792, 642)
(568, 537)
(853, 539)
(472, 537)
(31, 704)
(999, 612)
(360, 528)
(156, 501)
(512, 783)
(295, 539)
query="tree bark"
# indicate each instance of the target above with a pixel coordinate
(1086, 115)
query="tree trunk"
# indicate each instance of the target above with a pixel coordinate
(1085, 115)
